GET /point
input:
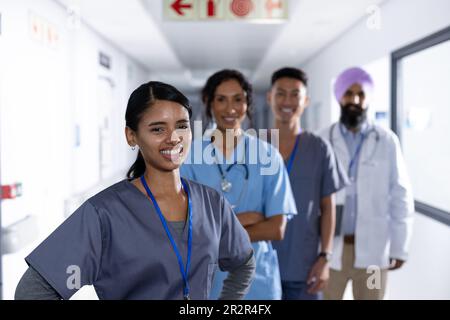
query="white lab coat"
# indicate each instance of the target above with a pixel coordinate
(384, 199)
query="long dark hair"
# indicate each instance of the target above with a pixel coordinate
(216, 79)
(140, 100)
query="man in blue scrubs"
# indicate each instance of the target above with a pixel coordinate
(306, 248)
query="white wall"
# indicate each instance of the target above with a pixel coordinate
(426, 275)
(47, 88)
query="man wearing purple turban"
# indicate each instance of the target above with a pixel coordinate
(374, 212)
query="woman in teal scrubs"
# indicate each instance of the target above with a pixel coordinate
(235, 163)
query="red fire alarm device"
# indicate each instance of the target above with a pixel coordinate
(11, 191)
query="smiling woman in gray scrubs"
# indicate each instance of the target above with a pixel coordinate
(152, 236)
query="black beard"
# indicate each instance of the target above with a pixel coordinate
(352, 116)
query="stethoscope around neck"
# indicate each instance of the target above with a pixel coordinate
(366, 135)
(225, 185)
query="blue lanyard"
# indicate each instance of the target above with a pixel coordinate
(292, 156)
(184, 270)
(357, 151)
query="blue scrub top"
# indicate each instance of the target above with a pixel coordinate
(269, 194)
(314, 175)
(117, 241)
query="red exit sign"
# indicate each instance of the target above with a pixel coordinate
(251, 10)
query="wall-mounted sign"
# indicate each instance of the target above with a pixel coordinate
(42, 31)
(247, 10)
(104, 60)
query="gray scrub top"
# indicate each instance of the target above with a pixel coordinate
(117, 241)
(314, 175)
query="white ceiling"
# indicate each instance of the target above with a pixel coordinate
(186, 53)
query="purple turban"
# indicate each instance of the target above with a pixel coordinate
(348, 78)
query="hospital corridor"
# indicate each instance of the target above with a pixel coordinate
(224, 149)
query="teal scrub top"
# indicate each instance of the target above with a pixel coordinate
(267, 190)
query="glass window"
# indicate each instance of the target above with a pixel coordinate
(423, 121)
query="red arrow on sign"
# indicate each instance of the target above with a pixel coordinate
(178, 5)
